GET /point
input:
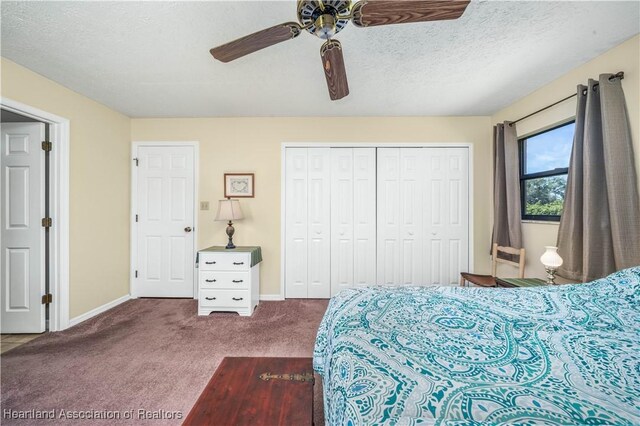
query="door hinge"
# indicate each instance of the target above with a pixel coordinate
(47, 299)
(46, 146)
(47, 222)
(136, 273)
(136, 160)
(136, 218)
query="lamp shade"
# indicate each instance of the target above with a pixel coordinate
(229, 210)
(550, 258)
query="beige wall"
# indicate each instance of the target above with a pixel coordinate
(99, 186)
(625, 57)
(254, 145)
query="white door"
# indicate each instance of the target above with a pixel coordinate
(353, 218)
(319, 230)
(364, 216)
(165, 220)
(296, 223)
(307, 223)
(341, 219)
(411, 235)
(400, 234)
(388, 216)
(446, 215)
(23, 254)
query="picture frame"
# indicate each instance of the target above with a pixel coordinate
(239, 185)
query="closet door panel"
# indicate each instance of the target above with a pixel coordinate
(434, 196)
(411, 182)
(296, 248)
(388, 216)
(364, 216)
(458, 213)
(319, 217)
(342, 229)
(446, 221)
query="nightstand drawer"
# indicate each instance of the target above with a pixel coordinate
(224, 261)
(224, 298)
(226, 280)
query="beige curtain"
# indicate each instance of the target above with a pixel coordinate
(600, 224)
(507, 219)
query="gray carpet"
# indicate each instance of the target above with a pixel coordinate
(149, 354)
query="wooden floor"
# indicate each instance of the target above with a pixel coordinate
(10, 341)
(257, 391)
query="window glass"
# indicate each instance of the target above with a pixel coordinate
(544, 196)
(549, 150)
(544, 164)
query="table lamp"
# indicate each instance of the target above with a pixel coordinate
(229, 210)
(551, 261)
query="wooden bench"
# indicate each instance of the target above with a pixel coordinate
(257, 391)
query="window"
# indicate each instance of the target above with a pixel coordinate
(544, 163)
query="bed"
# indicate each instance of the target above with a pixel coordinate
(443, 355)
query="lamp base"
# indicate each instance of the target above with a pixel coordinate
(230, 232)
(551, 275)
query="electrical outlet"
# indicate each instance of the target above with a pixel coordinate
(204, 205)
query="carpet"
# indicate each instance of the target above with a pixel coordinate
(147, 360)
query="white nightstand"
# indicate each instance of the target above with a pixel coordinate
(228, 280)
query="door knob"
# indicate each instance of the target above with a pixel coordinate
(187, 229)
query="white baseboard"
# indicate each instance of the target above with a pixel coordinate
(100, 309)
(271, 297)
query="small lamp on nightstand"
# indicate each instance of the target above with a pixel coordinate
(551, 261)
(229, 210)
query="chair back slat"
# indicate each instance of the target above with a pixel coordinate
(508, 250)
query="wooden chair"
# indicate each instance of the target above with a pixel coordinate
(489, 280)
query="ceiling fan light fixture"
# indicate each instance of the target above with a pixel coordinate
(325, 26)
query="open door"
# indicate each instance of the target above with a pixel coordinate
(23, 181)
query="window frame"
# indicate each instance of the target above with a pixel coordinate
(524, 177)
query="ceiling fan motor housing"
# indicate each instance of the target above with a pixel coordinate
(322, 17)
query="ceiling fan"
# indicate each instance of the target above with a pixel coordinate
(325, 18)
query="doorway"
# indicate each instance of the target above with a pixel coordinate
(164, 219)
(35, 233)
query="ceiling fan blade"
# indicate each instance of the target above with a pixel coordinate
(256, 41)
(369, 13)
(333, 65)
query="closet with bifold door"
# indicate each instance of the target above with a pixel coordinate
(358, 216)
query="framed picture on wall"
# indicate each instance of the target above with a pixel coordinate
(239, 185)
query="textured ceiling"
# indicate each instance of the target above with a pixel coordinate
(151, 59)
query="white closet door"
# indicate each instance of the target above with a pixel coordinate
(388, 216)
(411, 236)
(364, 216)
(342, 209)
(446, 214)
(400, 223)
(319, 216)
(296, 222)
(353, 218)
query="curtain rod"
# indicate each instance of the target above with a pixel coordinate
(619, 75)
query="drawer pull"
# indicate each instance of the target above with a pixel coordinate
(211, 281)
(237, 281)
(237, 299)
(211, 298)
(211, 263)
(238, 263)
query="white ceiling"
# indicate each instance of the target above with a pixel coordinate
(151, 59)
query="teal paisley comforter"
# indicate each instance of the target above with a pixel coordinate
(443, 355)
